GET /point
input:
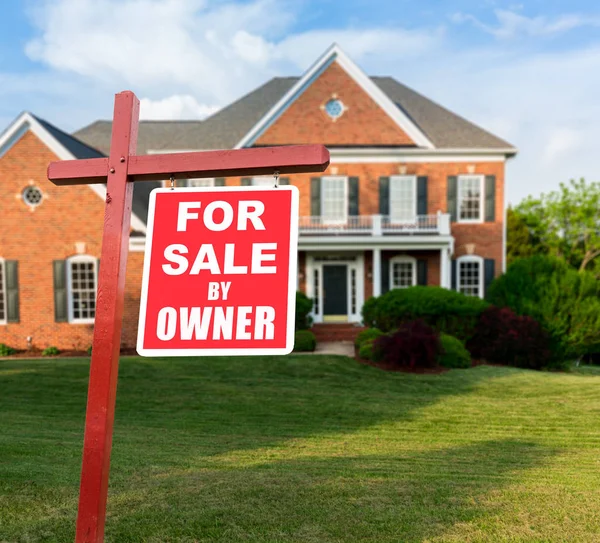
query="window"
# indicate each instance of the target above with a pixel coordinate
(3, 308)
(82, 272)
(334, 200)
(403, 198)
(470, 275)
(32, 196)
(200, 183)
(403, 272)
(334, 108)
(470, 198)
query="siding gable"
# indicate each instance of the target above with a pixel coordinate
(364, 122)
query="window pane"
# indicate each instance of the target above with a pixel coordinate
(469, 276)
(200, 182)
(83, 290)
(402, 199)
(403, 274)
(333, 199)
(469, 197)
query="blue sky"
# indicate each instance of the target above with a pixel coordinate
(528, 71)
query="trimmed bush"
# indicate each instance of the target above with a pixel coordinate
(454, 354)
(5, 350)
(414, 345)
(367, 335)
(304, 341)
(503, 337)
(50, 351)
(565, 302)
(89, 350)
(365, 350)
(303, 308)
(445, 310)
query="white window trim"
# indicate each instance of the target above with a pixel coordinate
(343, 220)
(263, 181)
(471, 258)
(481, 202)
(414, 186)
(3, 290)
(398, 259)
(71, 260)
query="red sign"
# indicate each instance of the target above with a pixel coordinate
(219, 272)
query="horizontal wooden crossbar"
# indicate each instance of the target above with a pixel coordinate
(230, 163)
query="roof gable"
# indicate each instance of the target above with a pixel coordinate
(65, 147)
(335, 54)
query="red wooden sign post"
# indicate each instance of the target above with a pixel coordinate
(119, 171)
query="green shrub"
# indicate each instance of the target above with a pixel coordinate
(564, 301)
(5, 350)
(454, 354)
(50, 351)
(365, 350)
(366, 335)
(89, 350)
(445, 310)
(303, 308)
(304, 341)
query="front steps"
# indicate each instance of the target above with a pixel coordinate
(336, 331)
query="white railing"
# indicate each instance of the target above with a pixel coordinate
(377, 225)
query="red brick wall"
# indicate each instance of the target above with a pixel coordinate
(66, 215)
(364, 122)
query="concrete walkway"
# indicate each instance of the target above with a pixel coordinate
(344, 348)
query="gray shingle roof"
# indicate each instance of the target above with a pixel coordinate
(80, 150)
(227, 127)
(445, 129)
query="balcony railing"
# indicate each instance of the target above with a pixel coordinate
(376, 225)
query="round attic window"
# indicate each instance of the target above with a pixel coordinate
(334, 108)
(32, 196)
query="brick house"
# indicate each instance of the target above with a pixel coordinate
(414, 195)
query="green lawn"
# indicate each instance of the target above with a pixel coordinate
(306, 449)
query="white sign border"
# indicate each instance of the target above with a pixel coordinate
(292, 272)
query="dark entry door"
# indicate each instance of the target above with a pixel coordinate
(335, 290)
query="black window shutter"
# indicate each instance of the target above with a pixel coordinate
(385, 274)
(246, 181)
(422, 195)
(489, 273)
(353, 196)
(11, 268)
(422, 272)
(180, 183)
(284, 180)
(61, 313)
(220, 182)
(315, 196)
(452, 197)
(453, 274)
(384, 196)
(490, 198)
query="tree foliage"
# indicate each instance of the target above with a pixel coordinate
(563, 223)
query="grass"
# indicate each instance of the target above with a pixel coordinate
(306, 449)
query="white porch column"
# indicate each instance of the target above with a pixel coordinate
(376, 272)
(444, 269)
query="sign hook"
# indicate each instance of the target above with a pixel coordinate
(276, 175)
(172, 182)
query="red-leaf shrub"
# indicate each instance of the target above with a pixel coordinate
(414, 345)
(503, 337)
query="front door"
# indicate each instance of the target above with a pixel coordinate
(335, 290)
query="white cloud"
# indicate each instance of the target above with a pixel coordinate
(561, 141)
(174, 107)
(512, 24)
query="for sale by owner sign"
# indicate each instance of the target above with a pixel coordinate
(219, 272)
